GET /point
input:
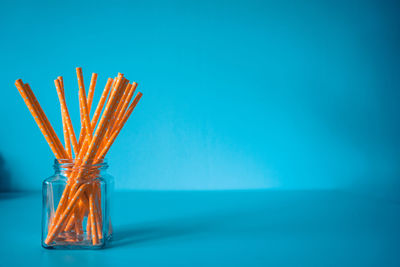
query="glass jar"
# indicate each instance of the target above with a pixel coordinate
(76, 205)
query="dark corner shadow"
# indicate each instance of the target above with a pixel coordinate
(5, 178)
(155, 231)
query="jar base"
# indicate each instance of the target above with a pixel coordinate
(72, 241)
(76, 245)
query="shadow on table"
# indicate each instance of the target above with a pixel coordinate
(156, 231)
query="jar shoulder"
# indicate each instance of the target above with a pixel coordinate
(60, 178)
(55, 178)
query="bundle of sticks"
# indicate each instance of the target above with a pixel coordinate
(97, 134)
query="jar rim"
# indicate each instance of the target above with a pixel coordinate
(67, 163)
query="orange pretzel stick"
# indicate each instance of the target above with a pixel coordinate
(119, 107)
(82, 133)
(66, 116)
(84, 103)
(46, 121)
(71, 222)
(89, 226)
(93, 227)
(38, 118)
(78, 223)
(96, 210)
(100, 105)
(114, 114)
(125, 105)
(97, 206)
(89, 103)
(67, 141)
(92, 86)
(111, 140)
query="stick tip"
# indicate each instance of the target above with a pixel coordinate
(19, 82)
(138, 97)
(57, 83)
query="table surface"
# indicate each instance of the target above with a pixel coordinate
(219, 228)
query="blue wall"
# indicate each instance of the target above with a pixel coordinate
(237, 94)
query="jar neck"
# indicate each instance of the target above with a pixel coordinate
(92, 168)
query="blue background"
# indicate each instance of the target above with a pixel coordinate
(237, 94)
